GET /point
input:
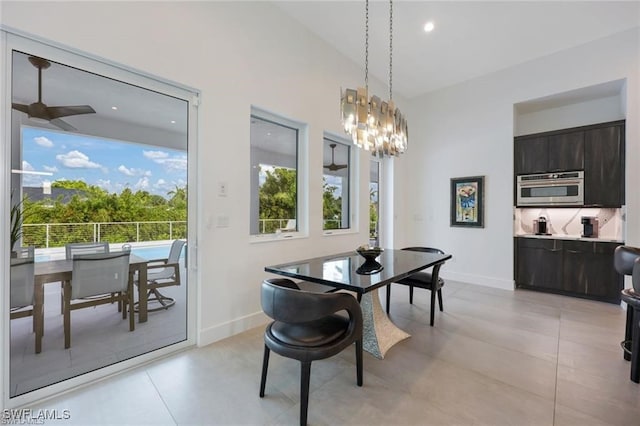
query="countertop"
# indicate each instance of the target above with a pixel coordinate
(570, 237)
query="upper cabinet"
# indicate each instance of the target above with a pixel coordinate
(597, 149)
(549, 153)
(604, 166)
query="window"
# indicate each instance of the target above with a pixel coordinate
(374, 203)
(275, 177)
(336, 186)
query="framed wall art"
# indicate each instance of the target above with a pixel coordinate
(467, 201)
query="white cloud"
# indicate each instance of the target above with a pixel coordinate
(26, 166)
(51, 169)
(143, 183)
(155, 155)
(133, 172)
(43, 141)
(77, 160)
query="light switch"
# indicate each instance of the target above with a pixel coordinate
(223, 188)
(223, 221)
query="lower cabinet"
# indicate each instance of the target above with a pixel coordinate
(574, 268)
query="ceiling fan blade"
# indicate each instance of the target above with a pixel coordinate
(63, 125)
(20, 107)
(65, 111)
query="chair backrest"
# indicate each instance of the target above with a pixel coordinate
(435, 272)
(176, 249)
(95, 274)
(624, 258)
(74, 249)
(22, 285)
(283, 302)
(25, 252)
(636, 276)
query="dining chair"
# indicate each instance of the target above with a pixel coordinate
(163, 273)
(427, 280)
(22, 286)
(307, 327)
(73, 249)
(99, 276)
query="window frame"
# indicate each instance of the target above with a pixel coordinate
(302, 179)
(353, 185)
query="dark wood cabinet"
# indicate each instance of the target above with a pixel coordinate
(604, 166)
(539, 263)
(531, 155)
(598, 149)
(566, 152)
(574, 268)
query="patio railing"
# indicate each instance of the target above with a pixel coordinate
(45, 235)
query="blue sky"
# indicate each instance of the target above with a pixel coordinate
(109, 164)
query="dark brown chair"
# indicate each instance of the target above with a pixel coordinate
(307, 327)
(427, 280)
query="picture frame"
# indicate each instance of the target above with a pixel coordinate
(467, 202)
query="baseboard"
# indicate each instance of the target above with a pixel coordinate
(479, 280)
(230, 328)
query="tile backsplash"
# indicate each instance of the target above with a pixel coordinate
(566, 221)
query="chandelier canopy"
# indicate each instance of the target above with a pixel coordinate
(373, 124)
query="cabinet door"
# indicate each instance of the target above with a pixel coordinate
(539, 263)
(602, 281)
(604, 166)
(566, 152)
(575, 268)
(530, 155)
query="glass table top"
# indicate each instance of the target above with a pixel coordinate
(350, 272)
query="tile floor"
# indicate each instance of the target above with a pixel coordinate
(494, 357)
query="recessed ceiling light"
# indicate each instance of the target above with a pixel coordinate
(428, 27)
(173, 121)
(114, 108)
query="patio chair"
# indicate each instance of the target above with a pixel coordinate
(73, 249)
(22, 284)
(99, 276)
(163, 273)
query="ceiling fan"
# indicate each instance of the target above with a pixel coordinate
(333, 166)
(51, 114)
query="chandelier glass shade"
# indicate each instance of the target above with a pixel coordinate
(374, 125)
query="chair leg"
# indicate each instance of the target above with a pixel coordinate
(635, 351)
(411, 295)
(265, 365)
(433, 305)
(305, 377)
(67, 314)
(440, 299)
(388, 297)
(359, 362)
(628, 331)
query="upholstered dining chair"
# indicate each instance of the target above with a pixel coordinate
(163, 273)
(307, 327)
(626, 261)
(102, 275)
(427, 280)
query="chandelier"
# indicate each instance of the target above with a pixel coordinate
(373, 124)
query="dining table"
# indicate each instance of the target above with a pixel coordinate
(50, 271)
(350, 271)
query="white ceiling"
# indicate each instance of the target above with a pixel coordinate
(470, 39)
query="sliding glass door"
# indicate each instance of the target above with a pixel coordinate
(98, 156)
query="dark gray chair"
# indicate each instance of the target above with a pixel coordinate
(427, 280)
(307, 327)
(626, 261)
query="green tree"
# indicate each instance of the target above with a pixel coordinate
(331, 206)
(277, 196)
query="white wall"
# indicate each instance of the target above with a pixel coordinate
(238, 54)
(468, 130)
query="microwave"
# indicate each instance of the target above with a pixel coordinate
(551, 189)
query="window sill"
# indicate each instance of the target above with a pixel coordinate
(270, 238)
(334, 232)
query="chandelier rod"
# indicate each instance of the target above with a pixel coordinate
(390, 50)
(366, 47)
